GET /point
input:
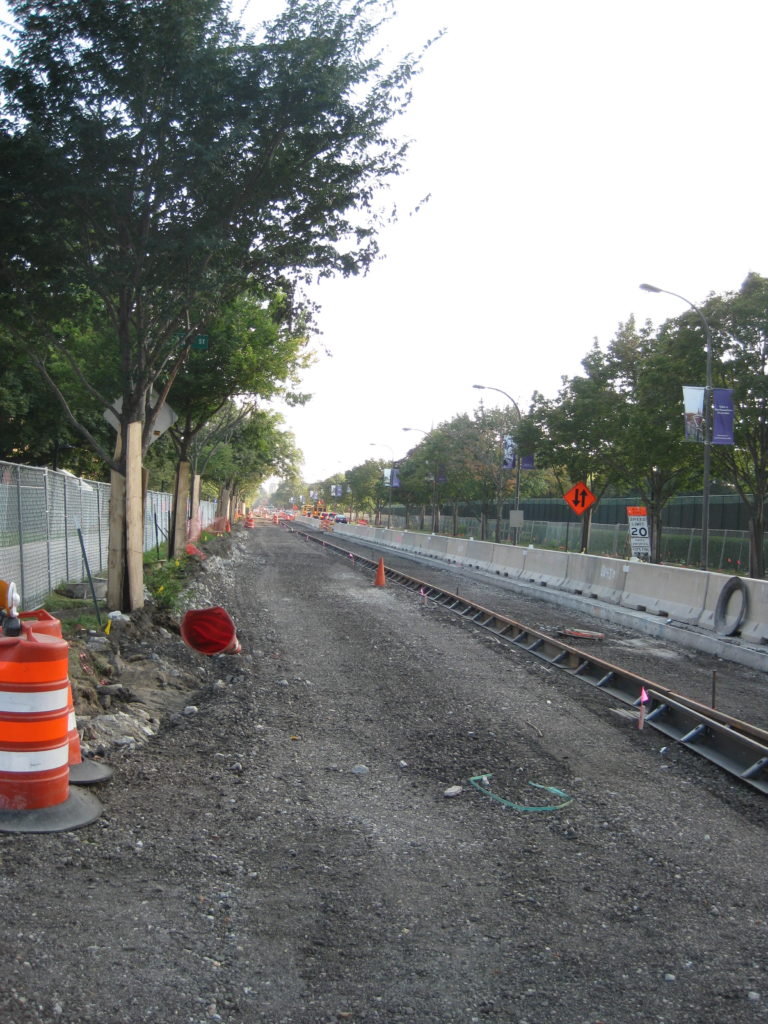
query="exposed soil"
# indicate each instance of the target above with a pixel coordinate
(283, 848)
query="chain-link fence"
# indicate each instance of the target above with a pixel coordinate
(54, 528)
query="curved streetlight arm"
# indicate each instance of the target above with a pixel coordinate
(487, 387)
(695, 308)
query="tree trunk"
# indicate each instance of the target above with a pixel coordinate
(656, 530)
(134, 518)
(116, 543)
(195, 508)
(586, 528)
(178, 539)
(125, 560)
(756, 531)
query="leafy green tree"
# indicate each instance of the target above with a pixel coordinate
(365, 484)
(640, 414)
(255, 450)
(158, 159)
(740, 342)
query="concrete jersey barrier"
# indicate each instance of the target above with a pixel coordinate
(689, 596)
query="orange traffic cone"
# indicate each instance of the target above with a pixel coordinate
(381, 578)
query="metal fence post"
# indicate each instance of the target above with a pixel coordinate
(66, 532)
(46, 497)
(20, 528)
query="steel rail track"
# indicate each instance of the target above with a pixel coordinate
(736, 746)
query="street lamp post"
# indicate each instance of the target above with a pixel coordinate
(376, 444)
(707, 422)
(485, 387)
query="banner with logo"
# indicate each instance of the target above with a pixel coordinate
(722, 420)
(510, 450)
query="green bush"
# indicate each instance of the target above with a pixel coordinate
(166, 582)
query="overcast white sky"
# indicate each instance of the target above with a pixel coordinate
(572, 150)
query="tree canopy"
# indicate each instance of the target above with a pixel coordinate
(159, 159)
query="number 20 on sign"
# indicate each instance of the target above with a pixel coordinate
(580, 498)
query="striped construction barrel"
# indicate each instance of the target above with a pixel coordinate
(35, 698)
(41, 621)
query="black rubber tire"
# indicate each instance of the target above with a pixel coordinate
(734, 585)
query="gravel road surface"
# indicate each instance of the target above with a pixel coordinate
(286, 849)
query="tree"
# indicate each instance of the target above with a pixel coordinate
(573, 438)
(740, 336)
(158, 159)
(252, 350)
(640, 416)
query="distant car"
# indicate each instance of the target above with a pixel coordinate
(341, 519)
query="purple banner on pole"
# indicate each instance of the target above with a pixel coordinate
(526, 462)
(722, 425)
(510, 451)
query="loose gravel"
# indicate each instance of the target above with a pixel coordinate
(300, 842)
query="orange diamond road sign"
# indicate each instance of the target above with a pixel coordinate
(580, 498)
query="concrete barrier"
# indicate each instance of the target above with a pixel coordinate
(581, 573)
(545, 568)
(755, 626)
(664, 590)
(478, 553)
(508, 560)
(687, 595)
(437, 546)
(608, 580)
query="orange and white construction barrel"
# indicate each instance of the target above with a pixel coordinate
(35, 697)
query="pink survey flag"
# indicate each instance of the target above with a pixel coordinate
(644, 698)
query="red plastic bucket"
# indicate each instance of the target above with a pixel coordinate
(210, 631)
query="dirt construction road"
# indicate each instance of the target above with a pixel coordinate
(288, 854)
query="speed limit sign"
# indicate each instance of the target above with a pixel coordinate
(639, 535)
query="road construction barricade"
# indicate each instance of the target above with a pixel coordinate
(478, 553)
(668, 591)
(580, 574)
(608, 580)
(415, 542)
(544, 567)
(34, 721)
(36, 716)
(508, 560)
(735, 606)
(437, 546)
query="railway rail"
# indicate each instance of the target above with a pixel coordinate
(734, 745)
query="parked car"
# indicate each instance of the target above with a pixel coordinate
(341, 519)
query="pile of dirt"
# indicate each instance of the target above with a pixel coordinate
(127, 680)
